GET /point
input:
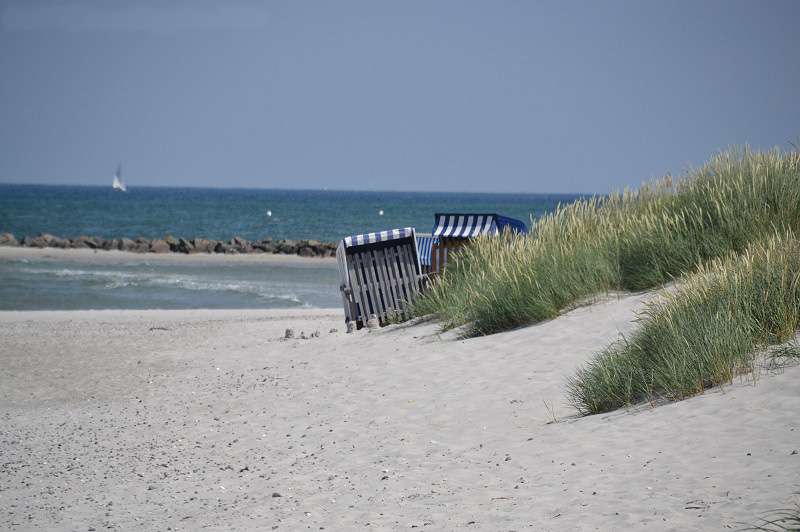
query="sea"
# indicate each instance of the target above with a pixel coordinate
(141, 282)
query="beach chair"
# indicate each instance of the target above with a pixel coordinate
(380, 275)
(452, 231)
(424, 245)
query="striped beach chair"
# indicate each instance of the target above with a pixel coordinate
(454, 230)
(380, 274)
(424, 244)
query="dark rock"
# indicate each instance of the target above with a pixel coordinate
(159, 246)
(201, 245)
(140, 245)
(84, 241)
(222, 247)
(109, 243)
(44, 240)
(275, 494)
(125, 244)
(241, 245)
(40, 241)
(7, 239)
(287, 247)
(185, 246)
(172, 242)
(306, 251)
(289, 333)
(56, 242)
(264, 245)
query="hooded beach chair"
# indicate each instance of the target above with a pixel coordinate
(380, 274)
(454, 230)
(424, 244)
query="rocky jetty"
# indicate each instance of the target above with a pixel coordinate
(171, 244)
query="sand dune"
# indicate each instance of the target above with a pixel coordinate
(190, 419)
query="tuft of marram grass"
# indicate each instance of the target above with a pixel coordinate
(782, 520)
(632, 240)
(701, 334)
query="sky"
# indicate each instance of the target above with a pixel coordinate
(491, 96)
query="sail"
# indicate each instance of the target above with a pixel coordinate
(118, 184)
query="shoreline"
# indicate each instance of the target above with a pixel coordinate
(114, 256)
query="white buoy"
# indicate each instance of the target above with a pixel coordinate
(380, 212)
(269, 213)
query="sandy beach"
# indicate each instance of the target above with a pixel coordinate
(197, 419)
(117, 257)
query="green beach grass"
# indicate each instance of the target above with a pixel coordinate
(703, 333)
(725, 232)
(635, 240)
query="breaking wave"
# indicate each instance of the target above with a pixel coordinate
(115, 279)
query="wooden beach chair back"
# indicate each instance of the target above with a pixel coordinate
(453, 231)
(380, 275)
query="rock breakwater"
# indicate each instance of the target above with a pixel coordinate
(171, 244)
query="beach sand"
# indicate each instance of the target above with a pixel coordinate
(181, 420)
(98, 257)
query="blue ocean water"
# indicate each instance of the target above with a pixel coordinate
(70, 211)
(140, 282)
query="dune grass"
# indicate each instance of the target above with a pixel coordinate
(633, 240)
(703, 333)
(783, 520)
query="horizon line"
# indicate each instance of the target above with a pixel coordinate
(301, 189)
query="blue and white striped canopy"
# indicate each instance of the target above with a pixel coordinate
(454, 225)
(424, 245)
(380, 236)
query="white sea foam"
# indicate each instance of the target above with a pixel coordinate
(116, 279)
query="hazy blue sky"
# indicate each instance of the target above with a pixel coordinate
(430, 95)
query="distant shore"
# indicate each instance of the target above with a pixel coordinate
(177, 245)
(117, 257)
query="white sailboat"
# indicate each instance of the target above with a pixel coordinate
(118, 183)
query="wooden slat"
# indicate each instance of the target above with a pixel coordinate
(397, 277)
(395, 281)
(380, 268)
(413, 265)
(359, 289)
(401, 275)
(368, 289)
(409, 276)
(380, 308)
(436, 257)
(392, 280)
